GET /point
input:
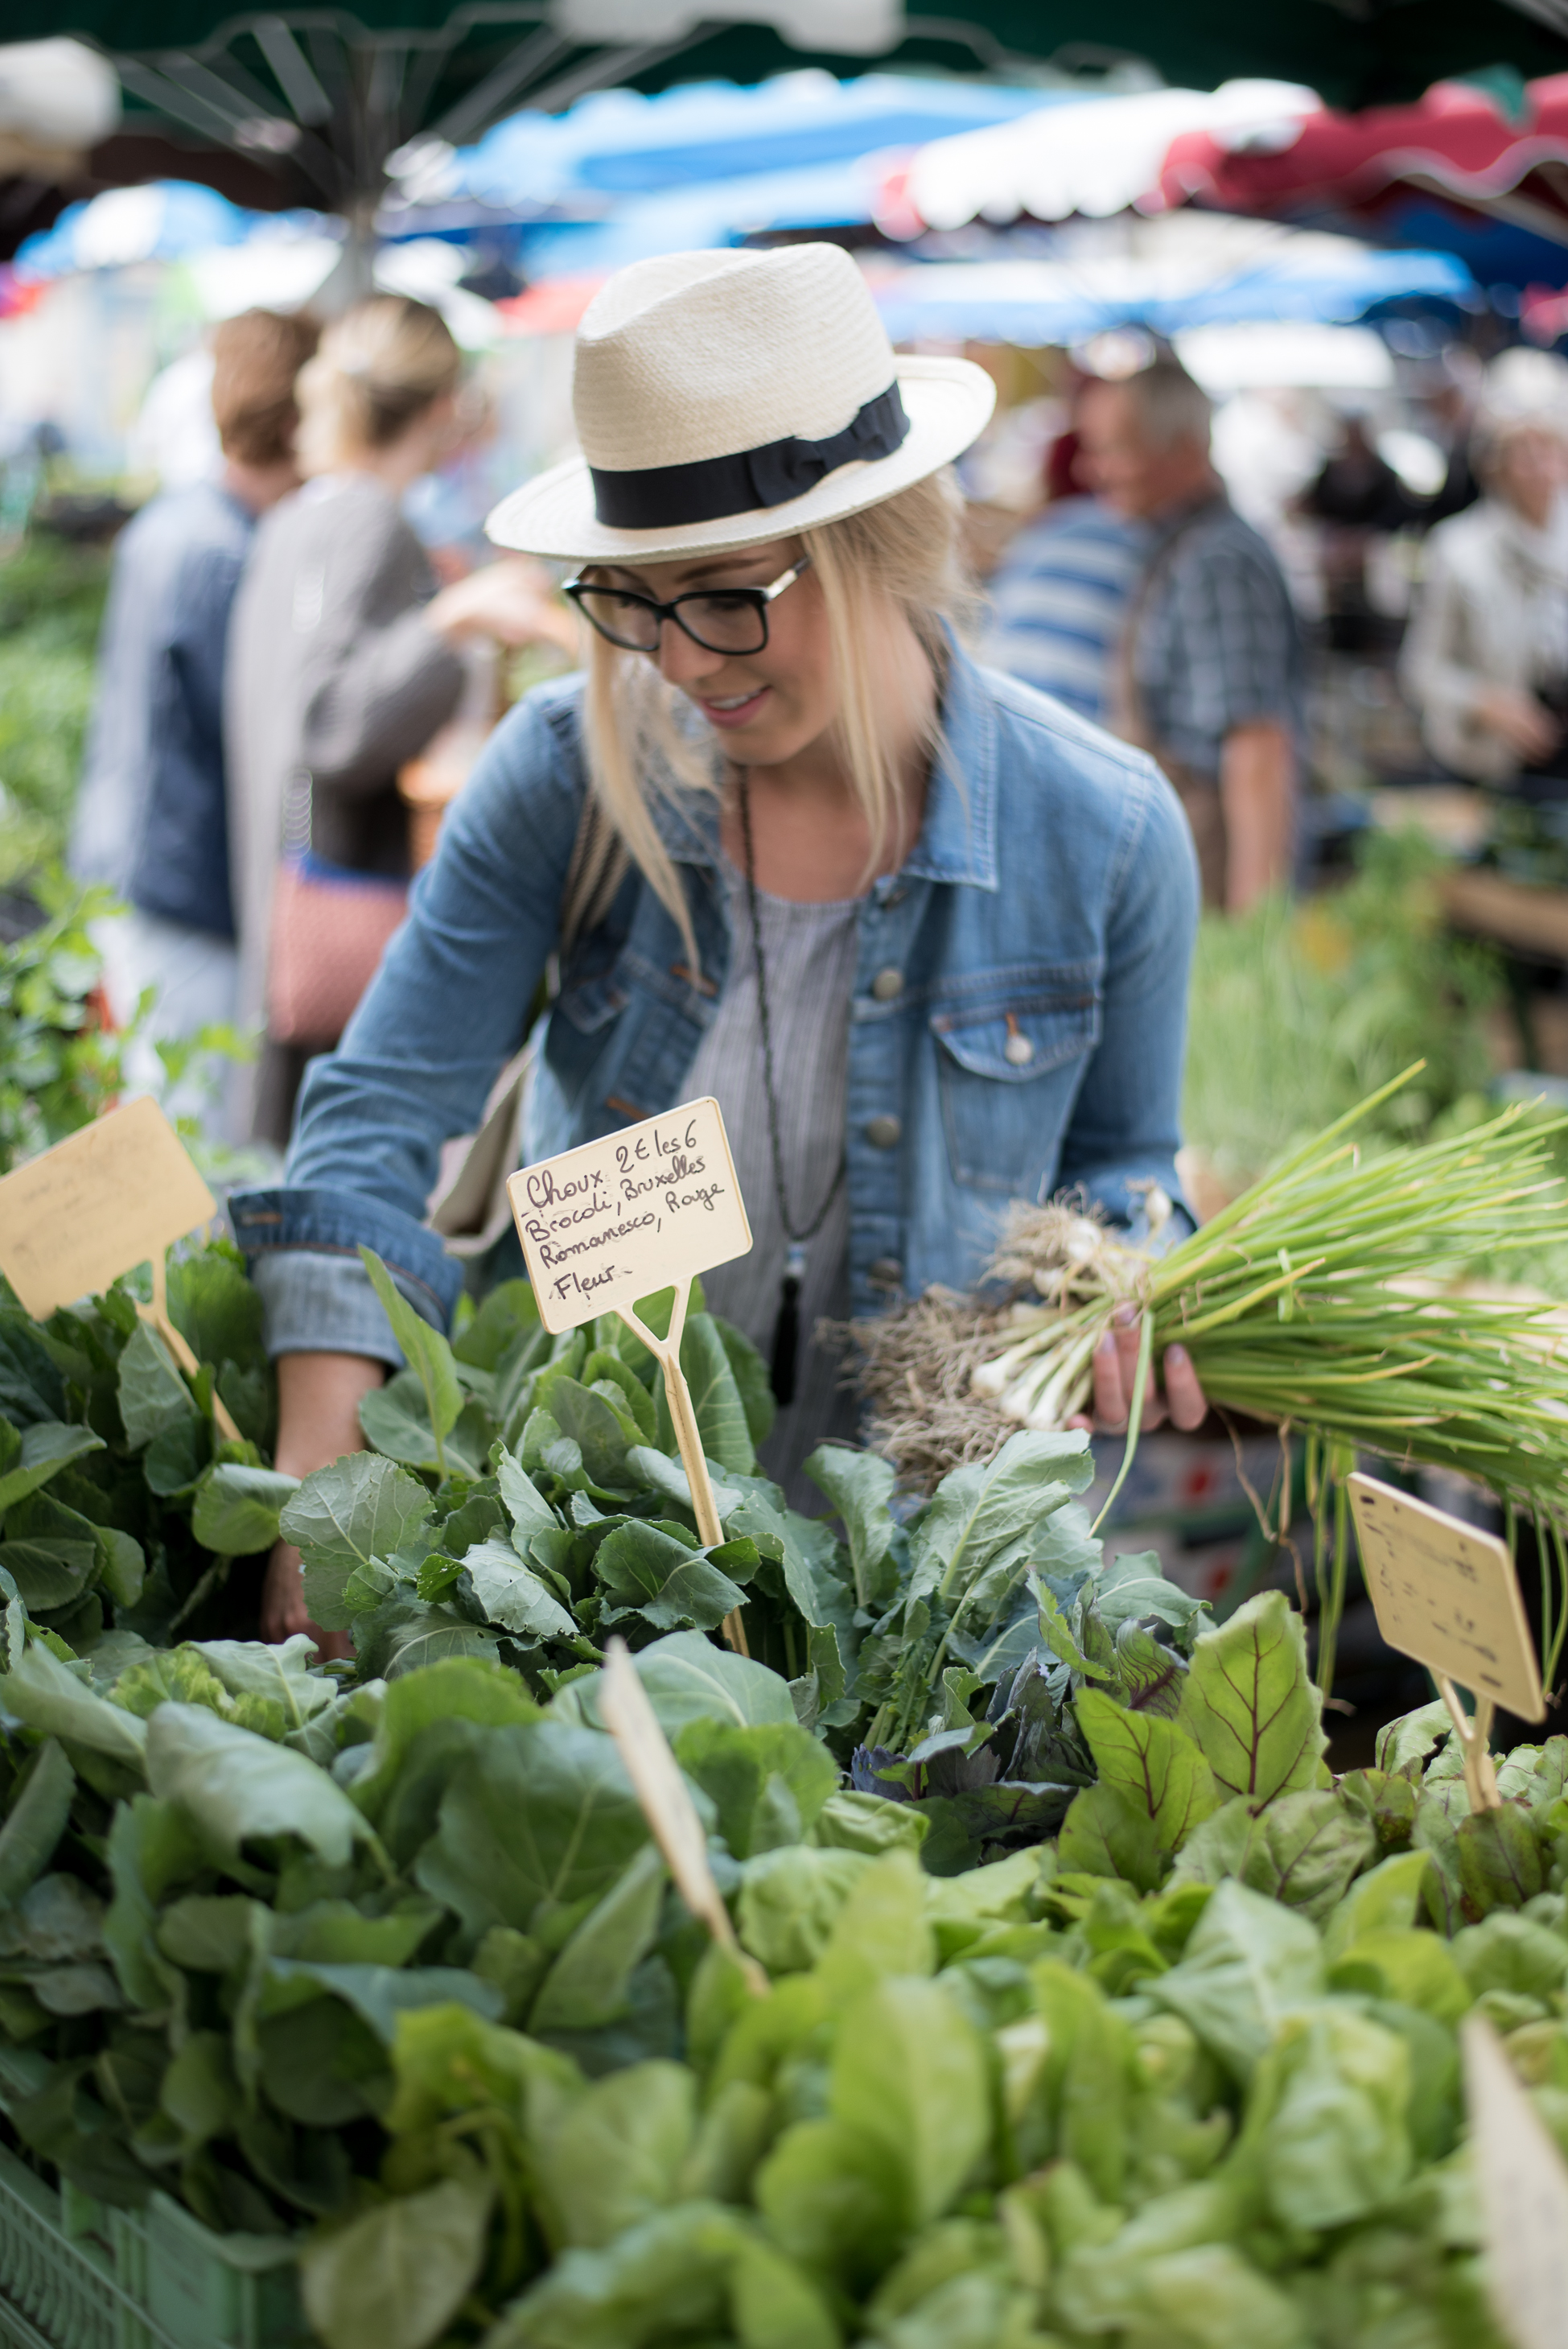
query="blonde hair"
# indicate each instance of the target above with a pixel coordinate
(377, 367)
(901, 555)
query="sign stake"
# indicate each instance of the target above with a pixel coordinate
(1475, 1745)
(1523, 2186)
(666, 1802)
(158, 1315)
(666, 1353)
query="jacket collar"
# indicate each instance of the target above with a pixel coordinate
(957, 840)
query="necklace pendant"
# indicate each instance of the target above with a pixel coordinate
(787, 1328)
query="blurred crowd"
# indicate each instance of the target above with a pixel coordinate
(277, 648)
(281, 650)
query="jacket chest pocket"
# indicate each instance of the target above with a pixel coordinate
(1010, 1064)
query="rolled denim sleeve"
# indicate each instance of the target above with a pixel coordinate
(448, 1007)
(1125, 1125)
(303, 1248)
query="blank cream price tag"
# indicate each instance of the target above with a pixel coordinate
(616, 1220)
(117, 1194)
(1524, 2187)
(121, 1190)
(1446, 1594)
(613, 1221)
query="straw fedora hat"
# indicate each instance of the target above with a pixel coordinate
(725, 398)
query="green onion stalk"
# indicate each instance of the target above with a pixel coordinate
(1323, 1299)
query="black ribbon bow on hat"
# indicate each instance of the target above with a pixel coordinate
(660, 497)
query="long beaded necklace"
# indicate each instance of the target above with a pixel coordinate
(787, 1327)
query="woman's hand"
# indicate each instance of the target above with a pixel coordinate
(1184, 1401)
(1526, 725)
(319, 1397)
(513, 601)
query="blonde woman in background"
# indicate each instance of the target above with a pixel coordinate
(924, 933)
(1485, 662)
(343, 658)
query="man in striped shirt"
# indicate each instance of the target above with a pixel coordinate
(1211, 670)
(1059, 601)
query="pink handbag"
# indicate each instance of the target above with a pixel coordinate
(330, 928)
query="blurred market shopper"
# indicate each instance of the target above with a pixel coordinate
(1058, 597)
(924, 933)
(1211, 669)
(343, 663)
(1485, 661)
(151, 817)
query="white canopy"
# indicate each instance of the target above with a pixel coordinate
(1095, 157)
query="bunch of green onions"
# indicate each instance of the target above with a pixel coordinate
(1315, 1298)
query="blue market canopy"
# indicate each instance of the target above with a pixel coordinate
(168, 221)
(618, 142)
(689, 219)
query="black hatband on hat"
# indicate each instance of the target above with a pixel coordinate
(661, 496)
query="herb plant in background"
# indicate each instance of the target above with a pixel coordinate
(51, 601)
(62, 1060)
(1299, 1011)
(59, 1060)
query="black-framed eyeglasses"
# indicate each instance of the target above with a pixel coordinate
(720, 619)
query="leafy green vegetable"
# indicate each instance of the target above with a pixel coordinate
(35, 1821)
(237, 1508)
(427, 1352)
(396, 2277)
(1248, 1706)
(235, 1787)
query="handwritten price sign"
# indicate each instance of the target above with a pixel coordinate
(647, 1209)
(616, 1220)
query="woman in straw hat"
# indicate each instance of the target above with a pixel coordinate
(923, 934)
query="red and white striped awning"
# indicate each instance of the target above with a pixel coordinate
(1456, 144)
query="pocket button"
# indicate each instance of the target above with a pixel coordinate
(884, 1132)
(1017, 1050)
(887, 985)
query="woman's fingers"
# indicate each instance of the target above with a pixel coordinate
(284, 1612)
(1181, 1399)
(1109, 1397)
(1127, 1331)
(1187, 1403)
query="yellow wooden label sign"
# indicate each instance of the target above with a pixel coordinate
(117, 1193)
(614, 1220)
(1446, 1593)
(1522, 2183)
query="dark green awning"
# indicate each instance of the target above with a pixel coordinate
(327, 96)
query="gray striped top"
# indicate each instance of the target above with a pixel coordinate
(809, 954)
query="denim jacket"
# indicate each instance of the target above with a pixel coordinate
(1049, 903)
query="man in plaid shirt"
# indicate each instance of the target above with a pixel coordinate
(1212, 662)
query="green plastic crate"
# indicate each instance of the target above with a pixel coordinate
(55, 2292)
(75, 2274)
